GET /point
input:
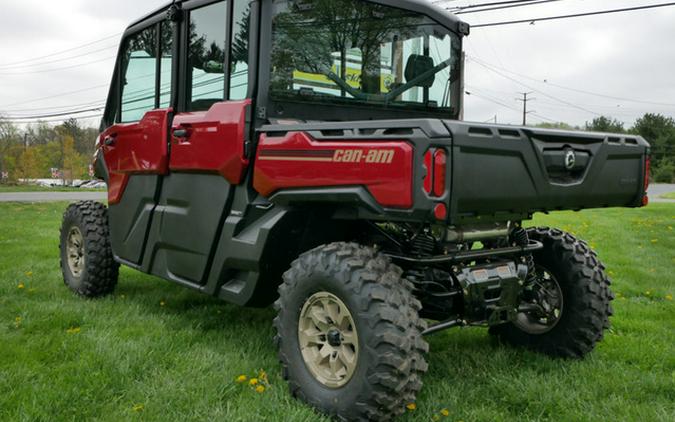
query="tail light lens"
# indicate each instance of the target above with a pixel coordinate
(428, 179)
(435, 161)
(439, 172)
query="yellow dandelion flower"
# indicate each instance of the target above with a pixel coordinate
(138, 407)
(241, 378)
(411, 406)
(445, 412)
(29, 273)
(262, 375)
(17, 319)
(669, 297)
(260, 389)
(654, 240)
(253, 381)
(73, 330)
(21, 286)
(162, 303)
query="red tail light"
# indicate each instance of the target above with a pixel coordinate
(439, 172)
(428, 179)
(645, 198)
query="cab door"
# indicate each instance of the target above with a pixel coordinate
(208, 135)
(135, 143)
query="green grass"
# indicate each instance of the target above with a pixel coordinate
(669, 195)
(36, 188)
(179, 361)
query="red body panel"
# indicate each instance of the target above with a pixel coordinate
(296, 161)
(215, 141)
(139, 147)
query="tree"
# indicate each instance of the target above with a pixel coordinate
(659, 131)
(10, 138)
(83, 137)
(30, 165)
(73, 163)
(557, 125)
(605, 124)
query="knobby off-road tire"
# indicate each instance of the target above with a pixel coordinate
(86, 256)
(390, 349)
(586, 296)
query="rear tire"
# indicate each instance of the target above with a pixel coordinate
(86, 255)
(586, 298)
(385, 333)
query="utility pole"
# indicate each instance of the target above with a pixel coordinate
(525, 99)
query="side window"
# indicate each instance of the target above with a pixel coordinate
(165, 64)
(239, 50)
(139, 66)
(206, 56)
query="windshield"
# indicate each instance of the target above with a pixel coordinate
(357, 52)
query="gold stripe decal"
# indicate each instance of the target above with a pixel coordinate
(282, 158)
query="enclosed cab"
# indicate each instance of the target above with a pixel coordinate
(311, 153)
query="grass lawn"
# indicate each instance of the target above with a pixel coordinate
(36, 188)
(158, 352)
(669, 195)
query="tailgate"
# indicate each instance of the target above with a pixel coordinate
(505, 170)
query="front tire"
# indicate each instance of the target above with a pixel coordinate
(86, 255)
(348, 333)
(577, 286)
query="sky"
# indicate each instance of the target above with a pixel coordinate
(628, 56)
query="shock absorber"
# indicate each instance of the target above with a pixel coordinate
(520, 238)
(423, 244)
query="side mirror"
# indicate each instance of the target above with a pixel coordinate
(416, 66)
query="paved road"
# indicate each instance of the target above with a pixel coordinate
(654, 191)
(659, 189)
(51, 196)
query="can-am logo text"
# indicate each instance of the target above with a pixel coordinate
(378, 156)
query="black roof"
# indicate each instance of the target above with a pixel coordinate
(424, 7)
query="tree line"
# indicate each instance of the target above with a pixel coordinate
(33, 152)
(657, 129)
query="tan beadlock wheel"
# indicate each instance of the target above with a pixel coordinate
(75, 250)
(328, 339)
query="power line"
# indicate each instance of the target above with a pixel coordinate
(13, 67)
(93, 116)
(576, 15)
(58, 68)
(546, 82)
(519, 4)
(69, 113)
(495, 3)
(534, 89)
(495, 101)
(62, 51)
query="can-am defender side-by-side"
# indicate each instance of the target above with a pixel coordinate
(311, 154)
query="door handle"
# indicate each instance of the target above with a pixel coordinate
(109, 140)
(180, 133)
